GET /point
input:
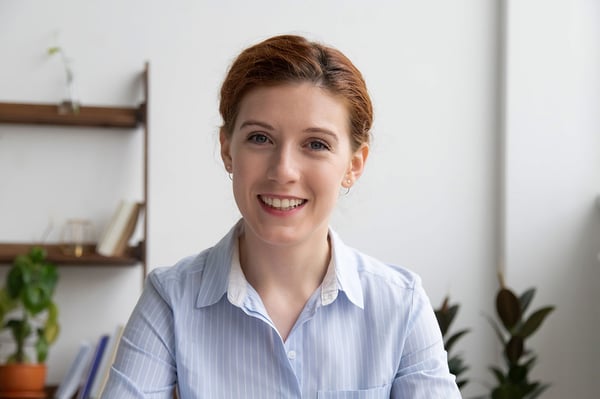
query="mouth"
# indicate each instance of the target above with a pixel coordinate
(281, 204)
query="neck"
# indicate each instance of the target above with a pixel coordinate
(299, 268)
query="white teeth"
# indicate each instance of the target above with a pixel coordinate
(282, 204)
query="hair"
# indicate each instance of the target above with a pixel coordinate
(290, 59)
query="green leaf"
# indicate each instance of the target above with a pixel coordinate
(457, 365)
(52, 313)
(508, 308)
(538, 391)
(37, 254)
(6, 304)
(41, 347)
(51, 331)
(497, 329)
(15, 281)
(535, 321)
(526, 298)
(499, 374)
(452, 340)
(35, 299)
(514, 349)
(506, 391)
(530, 363)
(518, 374)
(30, 284)
(445, 315)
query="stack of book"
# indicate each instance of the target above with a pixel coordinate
(118, 232)
(89, 370)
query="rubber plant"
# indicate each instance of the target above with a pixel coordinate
(445, 315)
(514, 329)
(26, 306)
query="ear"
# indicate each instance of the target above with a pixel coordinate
(226, 150)
(357, 165)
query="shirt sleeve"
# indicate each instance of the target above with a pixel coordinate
(423, 372)
(144, 366)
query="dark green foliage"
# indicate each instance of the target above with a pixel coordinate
(445, 316)
(27, 300)
(512, 381)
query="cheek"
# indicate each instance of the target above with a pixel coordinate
(328, 178)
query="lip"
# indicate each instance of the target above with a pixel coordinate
(281, 212)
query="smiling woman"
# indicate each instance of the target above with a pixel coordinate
(280, 307)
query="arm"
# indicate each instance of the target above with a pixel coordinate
(423, 372)
(144, 367)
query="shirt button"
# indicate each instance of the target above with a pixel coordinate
(291, 355)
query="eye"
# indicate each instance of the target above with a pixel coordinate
(318, 145)
(258, 138)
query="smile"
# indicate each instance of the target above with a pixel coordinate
(281, 204)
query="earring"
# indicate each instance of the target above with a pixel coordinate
(230, 175)
(348, 186)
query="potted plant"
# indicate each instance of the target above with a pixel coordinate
(512, 380)
(445, 315)
(30, 317)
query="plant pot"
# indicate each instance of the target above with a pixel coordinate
(22, 380)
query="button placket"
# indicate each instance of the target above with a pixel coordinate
(293, 352)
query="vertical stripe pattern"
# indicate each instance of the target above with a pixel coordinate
(377, 337)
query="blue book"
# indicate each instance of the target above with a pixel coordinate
(72, 380)
(84, 392)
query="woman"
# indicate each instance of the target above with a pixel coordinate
(280, 307)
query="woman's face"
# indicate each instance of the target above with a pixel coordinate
(290, 152)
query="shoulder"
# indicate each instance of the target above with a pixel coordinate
(201, 277)
(389, 286)
(378, 272)
(366, 279)
(371, 271)
(170, 280)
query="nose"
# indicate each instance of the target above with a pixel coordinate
(284, 165)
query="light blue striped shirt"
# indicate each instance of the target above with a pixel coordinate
(368, 332)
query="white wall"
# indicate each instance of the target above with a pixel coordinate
(553, 179)
(428, 200)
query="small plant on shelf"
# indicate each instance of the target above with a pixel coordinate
(445, 316)
(28, 312)
(512, 381)
(71, 104)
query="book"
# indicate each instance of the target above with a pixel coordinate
(107, 361)
(72, 379)
(94, 362)
(122, 224)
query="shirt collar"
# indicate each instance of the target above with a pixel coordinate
(216, 269)
(238, 285)
(346, 263)
(223, 273)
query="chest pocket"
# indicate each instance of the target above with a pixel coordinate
(375, 393)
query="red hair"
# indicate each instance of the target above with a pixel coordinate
(288, 59)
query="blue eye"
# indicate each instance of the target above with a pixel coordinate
(318, 145)
(258, 138)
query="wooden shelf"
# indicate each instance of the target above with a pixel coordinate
(59, 115)
(86, 116)
(134, 255)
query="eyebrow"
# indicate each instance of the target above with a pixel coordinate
(256, 123)
(307, 130)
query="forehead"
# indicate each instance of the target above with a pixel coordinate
(295, 105)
